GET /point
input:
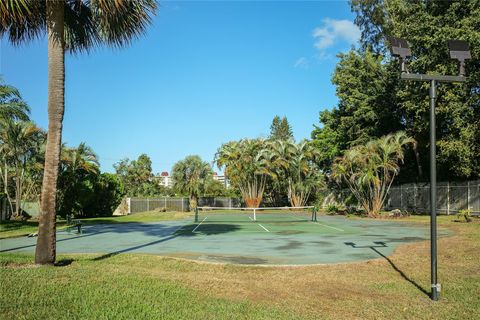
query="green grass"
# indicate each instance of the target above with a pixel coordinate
(87, 289)
(12, 229)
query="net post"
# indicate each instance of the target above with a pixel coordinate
(196, 214)
(254, 214)
(314, 214)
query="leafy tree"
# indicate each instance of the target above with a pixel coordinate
(366, 107)
(214, 188)
(191, 176)
(107, 194)
(427, 25)
(243, 168)
(70, 26)
(280, 129)
(369, 170)
(137, 177)
(373, 101)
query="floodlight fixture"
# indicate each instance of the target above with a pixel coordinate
(459, 50)
(401, 49)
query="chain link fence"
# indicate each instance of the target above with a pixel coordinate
(451, 197)
(415, 197)
(135, 205)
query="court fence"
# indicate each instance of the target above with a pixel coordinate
(451, 197)
(135, 205)
(415, 197)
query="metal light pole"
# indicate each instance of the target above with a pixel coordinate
(458, 50)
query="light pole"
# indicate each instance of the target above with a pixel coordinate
(458, 50)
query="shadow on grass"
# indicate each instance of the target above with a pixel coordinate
(64, 262)
(380, 244)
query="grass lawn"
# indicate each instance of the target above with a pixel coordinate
(152, 287)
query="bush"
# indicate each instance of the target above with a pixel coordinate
(332, 209)
(464, 215)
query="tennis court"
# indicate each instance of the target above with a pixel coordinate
(270, 237)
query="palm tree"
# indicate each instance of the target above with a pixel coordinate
(245, 168)
(12, 107)
(293, 165)
(369, 170)
(20, 142)
(72, 26)
(191, 176)
(76, 165)
(11, 104)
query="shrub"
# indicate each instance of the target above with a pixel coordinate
(332, 209)
(465, 215)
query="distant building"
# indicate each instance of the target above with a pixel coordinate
(165, 179)
(222, 179)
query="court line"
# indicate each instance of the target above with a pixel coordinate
(260, 225)
(263, 227)
(338, 229)
(198, 225)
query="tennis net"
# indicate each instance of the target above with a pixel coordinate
(265, 214)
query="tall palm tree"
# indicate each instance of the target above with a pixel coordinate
(72, 26)
(191, 175)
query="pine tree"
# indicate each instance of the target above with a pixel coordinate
(280, 129)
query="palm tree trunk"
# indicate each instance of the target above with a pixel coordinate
(417, 159)
(5, 185)
(18, 198)
(46, 246)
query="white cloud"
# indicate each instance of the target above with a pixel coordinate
(333, 31)
(302, 62)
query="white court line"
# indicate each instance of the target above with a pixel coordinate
(260, 225)
(263, 227)
(338, 229)
(198, 225)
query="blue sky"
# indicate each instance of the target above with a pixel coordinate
(204, 74)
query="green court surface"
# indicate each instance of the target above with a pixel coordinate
(226, 237)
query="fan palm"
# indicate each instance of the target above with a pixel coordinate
(191, 176)
(73, 26)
